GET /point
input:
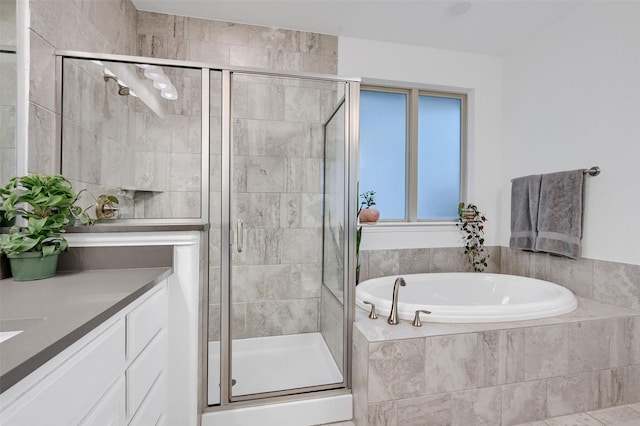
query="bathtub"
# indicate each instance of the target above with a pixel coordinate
(468, 297)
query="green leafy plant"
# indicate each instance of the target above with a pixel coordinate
(367, 199)
(471, 223)
(46, 205)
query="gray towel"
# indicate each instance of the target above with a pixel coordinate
(560, 213)
(525, 193)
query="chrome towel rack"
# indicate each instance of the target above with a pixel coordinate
(593, 171)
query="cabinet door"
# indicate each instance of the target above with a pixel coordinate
(110, 410)
(144, 371)
(146, 321)
(65, 395)
(152, 409)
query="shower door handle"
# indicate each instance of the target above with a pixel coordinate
(240, 236)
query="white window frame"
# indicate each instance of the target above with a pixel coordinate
(411, 161)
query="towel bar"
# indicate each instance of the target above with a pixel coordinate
(593, 171)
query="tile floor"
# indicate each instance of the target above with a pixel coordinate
(623, 415)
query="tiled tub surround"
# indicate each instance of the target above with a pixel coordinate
(609, 282)
(498, 373)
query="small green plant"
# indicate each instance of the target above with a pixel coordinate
(471, 224)
(367, 199)
(46, 205)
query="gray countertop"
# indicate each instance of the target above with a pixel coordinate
(56, 312)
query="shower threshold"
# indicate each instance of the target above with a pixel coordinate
(274, 363)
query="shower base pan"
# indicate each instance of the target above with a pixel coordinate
(275, 363)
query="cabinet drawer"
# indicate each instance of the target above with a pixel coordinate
(110, 410)
(144, 371)
(152, 409)
(66, 395)
(145, 321)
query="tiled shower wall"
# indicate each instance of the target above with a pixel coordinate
(115, 144)
(107, 26)
(8, 85)
(278, 148)
(605, 281)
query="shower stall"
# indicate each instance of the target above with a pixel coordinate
(264, 162)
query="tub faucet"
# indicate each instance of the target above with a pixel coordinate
(393, 316)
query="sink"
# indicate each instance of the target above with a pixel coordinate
(6, 335)
(14, 326)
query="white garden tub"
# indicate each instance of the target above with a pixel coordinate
(468, 297)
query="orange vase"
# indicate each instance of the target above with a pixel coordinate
(369, 215)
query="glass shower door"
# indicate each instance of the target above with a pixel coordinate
(277, 311)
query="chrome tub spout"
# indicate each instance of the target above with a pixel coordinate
(393, 316)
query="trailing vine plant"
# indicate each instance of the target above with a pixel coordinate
(471, 225)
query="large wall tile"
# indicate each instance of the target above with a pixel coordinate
(359, 376)
(576, 275)
(546, 351)
(265, 174)
(501, 356)
(382, 263)
(257, 210)
(414, 261)
(319, 44)
(209, 52)
(617, 283)
(42, 75)
(629, 382)
(625, 342)
(41, 145)
(587, 353)
(396, 370)
(571, 394)
(229, 32)
(301, 246)
(451, 259)
(382, 414)
(478, 407)
(524, 402)
(279, 317)
(262, 247)
(426, 410)
(451, 363)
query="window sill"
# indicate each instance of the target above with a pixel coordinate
(405, 235)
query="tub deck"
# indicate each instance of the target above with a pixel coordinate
(504, 373)
(378, 330)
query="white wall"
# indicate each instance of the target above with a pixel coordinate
(481, 77)
(572, 100)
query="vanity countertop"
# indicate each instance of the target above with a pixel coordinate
(56, 312)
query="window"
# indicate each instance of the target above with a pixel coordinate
(412, 145)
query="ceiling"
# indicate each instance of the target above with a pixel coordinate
(492, 27)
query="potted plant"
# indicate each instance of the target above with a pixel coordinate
(471, 224)
(368, 214)
(43, 207)
(367, 200)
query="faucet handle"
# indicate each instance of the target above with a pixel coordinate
(372, 314)
(416, 319)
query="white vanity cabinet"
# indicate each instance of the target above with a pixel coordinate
(111, 376)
